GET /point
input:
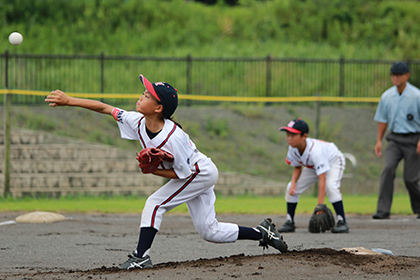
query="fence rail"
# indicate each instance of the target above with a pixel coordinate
(265, 79)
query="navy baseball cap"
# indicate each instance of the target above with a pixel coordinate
(296, 126)
(164, 93)
(399, 67)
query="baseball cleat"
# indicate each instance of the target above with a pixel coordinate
(288, 226)
(341, 227)
(270, 236)
(136, 262)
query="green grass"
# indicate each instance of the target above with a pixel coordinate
(363, 205)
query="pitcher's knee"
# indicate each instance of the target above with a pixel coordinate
(209, 235)
(210, 232)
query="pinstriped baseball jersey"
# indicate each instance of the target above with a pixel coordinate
(171, 138)
(318, 155)
(197, 176)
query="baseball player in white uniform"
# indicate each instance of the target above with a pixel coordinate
(192, 174)
(313, 160)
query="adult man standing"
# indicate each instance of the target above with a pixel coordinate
(399, 110)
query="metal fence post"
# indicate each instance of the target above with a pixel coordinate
(342, 64)
(102, 58)
(268, 76)
(7, 132)
(188, 78)
(317, 132)
(317, 118)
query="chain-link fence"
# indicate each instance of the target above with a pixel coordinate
(238, 77)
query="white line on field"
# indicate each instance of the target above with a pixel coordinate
(8, 223)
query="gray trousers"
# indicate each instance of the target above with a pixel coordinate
(400, 147)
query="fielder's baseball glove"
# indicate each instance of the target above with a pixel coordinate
(150, 158)
(322, 219)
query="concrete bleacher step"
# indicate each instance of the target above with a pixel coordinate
(42, 163)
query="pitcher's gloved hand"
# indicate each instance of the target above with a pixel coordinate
(150, 158)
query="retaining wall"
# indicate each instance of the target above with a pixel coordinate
(42, 163)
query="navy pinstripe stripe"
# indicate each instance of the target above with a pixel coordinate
(174, 194)
(167, 137)
(138, 131)
(341, 166)
(164, 141)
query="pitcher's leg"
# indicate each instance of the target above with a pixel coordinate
(203, 214)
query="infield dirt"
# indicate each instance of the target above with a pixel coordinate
(89, 246)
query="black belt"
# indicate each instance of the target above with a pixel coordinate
(406, 134)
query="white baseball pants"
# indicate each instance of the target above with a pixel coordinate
(197, 192)
(308, 177)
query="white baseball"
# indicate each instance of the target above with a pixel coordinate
(15, 38)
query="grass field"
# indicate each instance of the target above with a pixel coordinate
(363, 205)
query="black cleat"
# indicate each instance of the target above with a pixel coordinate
(341, 227)
(288, 226)
(270, 236)
(136, 262)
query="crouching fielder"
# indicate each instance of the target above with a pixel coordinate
(192, 174)
(323, 162)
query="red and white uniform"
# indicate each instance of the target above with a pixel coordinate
(319, 157)
(195, 186)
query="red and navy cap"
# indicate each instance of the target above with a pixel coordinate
(296, 126)
(164, 93)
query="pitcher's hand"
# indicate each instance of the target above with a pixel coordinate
(57, 98)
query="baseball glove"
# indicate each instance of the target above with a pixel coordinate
(150, 158)
(321, 220)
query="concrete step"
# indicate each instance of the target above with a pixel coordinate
(31, 137)
(42, 163)
(78, 180)
(72, 166)
(66, 151)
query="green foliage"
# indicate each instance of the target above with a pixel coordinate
(254, 112)
(217, 127)
(34, 121)
(329, 132)
(283, 28)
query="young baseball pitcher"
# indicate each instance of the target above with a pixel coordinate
(192, 174)
(313, 160)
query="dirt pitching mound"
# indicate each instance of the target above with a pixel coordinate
(306, 264)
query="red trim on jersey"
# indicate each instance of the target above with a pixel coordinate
(175, 194)
(138, 131)
(161, 144)
(341, 167)
(167, 137)
(288, 161)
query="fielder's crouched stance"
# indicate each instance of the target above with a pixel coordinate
(193, 175)
(324, 163)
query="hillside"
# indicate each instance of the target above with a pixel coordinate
(238, 138)
(283, 28)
